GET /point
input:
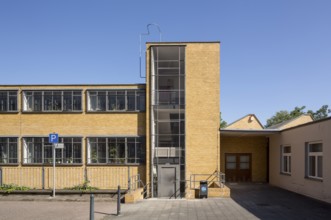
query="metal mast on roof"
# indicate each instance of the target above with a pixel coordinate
(148, 33)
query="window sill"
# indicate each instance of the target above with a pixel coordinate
(9, 112)
(9, 164)
(52, 112)
(113, 164)
(285, 174)
(50, 164)
(314, 179)
(115, 111)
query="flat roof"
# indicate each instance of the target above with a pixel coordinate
(184, 42)
(127, 84)
(248, 132)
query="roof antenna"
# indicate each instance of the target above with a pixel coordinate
(148, 33)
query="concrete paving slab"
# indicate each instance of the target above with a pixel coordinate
(248, 201)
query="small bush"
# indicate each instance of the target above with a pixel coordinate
(8, 188)
(82, 187)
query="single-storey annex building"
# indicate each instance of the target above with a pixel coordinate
(292, 155)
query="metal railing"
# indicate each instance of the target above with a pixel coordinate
(217, 178)
(134, 182)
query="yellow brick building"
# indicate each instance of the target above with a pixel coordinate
(163, 135)
(165, 131)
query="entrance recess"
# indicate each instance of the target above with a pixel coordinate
(168, 181)
(238, 167)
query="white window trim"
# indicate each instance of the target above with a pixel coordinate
(27, 108)
(136, 95)
(287, 155)
(316, 155)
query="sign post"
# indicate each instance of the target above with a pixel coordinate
(54, 139)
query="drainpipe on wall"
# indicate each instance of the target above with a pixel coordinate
(43, 178)
(0, 176)
(267, 152)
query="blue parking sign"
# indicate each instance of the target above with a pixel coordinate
(53, 138)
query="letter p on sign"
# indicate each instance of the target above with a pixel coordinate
(53, 138)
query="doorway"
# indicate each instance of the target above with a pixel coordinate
(238, 167)
(168, 181)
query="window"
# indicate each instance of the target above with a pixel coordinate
(8, 101)
(286, 159)
(37, 150)
(116, 100)
(115, 150)
(52, 101)
(8, 150)
(231, 162)
(314, 160)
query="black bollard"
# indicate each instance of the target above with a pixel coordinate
(118, 200)
(92, 207)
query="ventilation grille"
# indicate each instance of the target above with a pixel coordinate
(167, 152)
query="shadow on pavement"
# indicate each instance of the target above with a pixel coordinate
(268, 202)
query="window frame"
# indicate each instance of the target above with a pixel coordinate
(8, 142)
(8, 95)
(63, 161)
(42, 96)
(316, 155)
(139, 141)
(109, 93)
(288, 157)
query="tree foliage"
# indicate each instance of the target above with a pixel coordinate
(320, 113)
(223, 123)
(284, 115)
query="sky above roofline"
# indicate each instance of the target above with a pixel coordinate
(275, 55)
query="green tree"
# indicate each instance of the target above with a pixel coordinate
(278, 118)
(321, 113)
(297, 111)
(223, 123)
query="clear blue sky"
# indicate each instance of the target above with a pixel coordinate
(275, 54)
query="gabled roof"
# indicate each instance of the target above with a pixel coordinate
(249, 121)
(302, 119)
(308, 123)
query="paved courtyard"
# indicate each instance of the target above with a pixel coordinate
(250, 201)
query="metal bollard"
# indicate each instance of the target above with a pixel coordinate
(92, 207)
(118, 200)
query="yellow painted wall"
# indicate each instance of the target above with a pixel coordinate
(297, 139)
(257, 146)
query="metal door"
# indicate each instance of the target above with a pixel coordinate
(168, 181)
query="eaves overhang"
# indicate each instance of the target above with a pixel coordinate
(248, 132)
